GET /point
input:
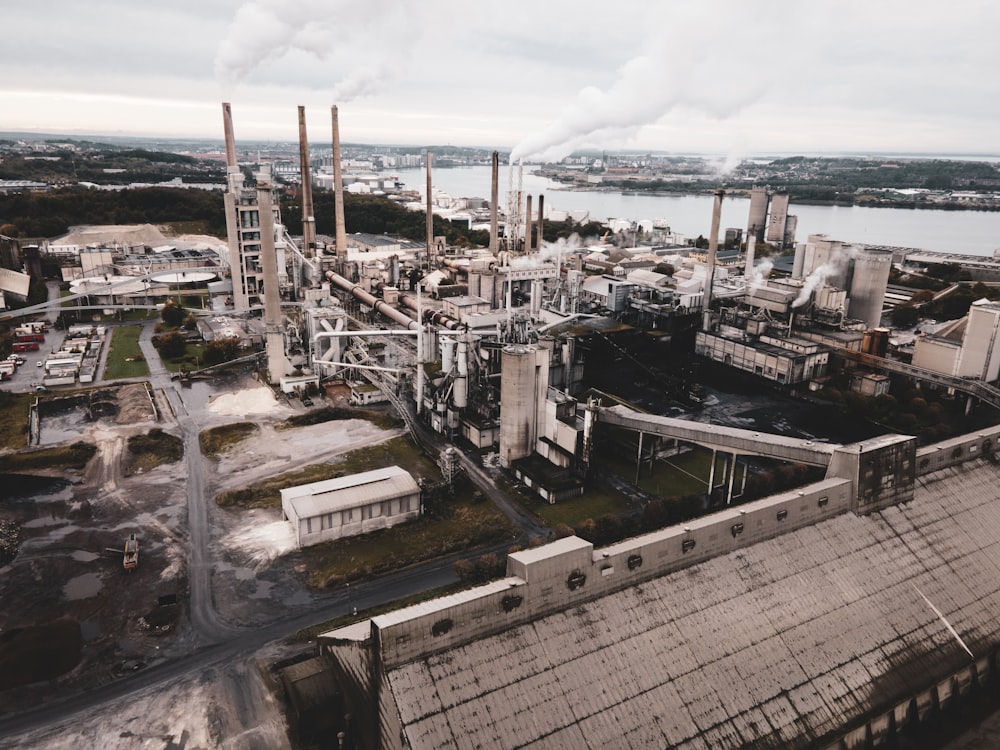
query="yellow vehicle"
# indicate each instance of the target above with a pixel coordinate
(131, 559)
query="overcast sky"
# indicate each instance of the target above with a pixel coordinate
(732, 77)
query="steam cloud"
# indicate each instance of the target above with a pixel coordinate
(758, 275)
(336, 32)
(839, 258)
(673, 71)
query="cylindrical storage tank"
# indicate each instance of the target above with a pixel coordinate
(868, 283)
(517, 403)
(536, 297)
(460, 394)
(447, 353)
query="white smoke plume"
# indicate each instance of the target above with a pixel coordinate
(758, 275)
(338, 33)
(841, 255)
(552, 252)
(675, 69)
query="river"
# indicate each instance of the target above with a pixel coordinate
(967, 232)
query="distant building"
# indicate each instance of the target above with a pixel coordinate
(352, 505)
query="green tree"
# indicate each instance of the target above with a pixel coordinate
(172, 314)
(221, 350)
(171, 345)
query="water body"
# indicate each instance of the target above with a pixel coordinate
(968, 232)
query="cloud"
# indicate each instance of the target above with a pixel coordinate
(361, 43)
(677, 68)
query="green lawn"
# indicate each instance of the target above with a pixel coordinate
(14, 419)
(125, 359)
(191, 360)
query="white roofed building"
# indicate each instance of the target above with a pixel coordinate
(352, 505)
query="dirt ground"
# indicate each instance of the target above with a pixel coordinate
(69, 566)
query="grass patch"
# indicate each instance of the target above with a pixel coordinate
(598, 500)
(193, 353)
(462, 521)
(396, 452)
(73, 456)
(125, 359)
(148, 451)
(217, 440)
(385, 420)
(14, 419)
(467, 521)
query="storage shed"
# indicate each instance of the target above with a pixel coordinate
(350, 505)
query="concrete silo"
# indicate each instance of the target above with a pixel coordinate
(869, 278)
(758, 214)
(524, 380)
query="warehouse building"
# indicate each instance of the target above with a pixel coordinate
(810, 619)
(347, 506)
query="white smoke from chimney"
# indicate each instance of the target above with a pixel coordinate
(339, 33)
(813, 282)
(674, 70)
(758, 277)
(834, 266)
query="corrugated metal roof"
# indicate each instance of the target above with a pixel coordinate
(782, 644)
(331, 495)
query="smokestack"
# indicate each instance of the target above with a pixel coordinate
(308, 220)
(541, 220)
(227, 124)
(713, 248)
(751, 252)
(527, 226)
(338, 189)
(430, 211)
(274, 342)
(494, 200)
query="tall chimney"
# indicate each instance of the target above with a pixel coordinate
(338, 189)
(751, 252)
(234, 186)
(308, 220)
(274, 341)
(541, 220)
(713, 248)
(227, 124)
(527, 225)
(494, 200)
(430, 211)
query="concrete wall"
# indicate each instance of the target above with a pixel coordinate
(957, 450)
(938, 355)
(569, 571)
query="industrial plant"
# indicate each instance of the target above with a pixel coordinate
(711, 634)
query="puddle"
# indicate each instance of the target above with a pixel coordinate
(39, 489)
(263, 590)
(82, 587)
(83, 556)
(90, 630)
